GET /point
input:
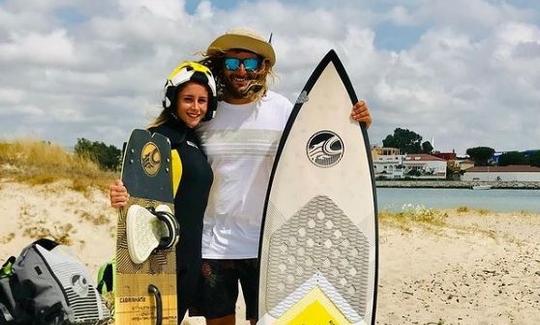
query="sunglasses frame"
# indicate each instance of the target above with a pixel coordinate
(242, 62)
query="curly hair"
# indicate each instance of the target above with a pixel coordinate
(256, 90)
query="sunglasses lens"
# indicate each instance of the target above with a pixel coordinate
(232, 64)
(251, 64)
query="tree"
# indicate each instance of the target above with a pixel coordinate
(513, 158)
(407, 141)
(427, 147)
(534, 158)
(107, 157)
(480, 155)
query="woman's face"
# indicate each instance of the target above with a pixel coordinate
(192, 104)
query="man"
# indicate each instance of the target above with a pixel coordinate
(241, 143)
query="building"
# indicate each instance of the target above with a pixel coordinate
(424, 166)
(464, 164)
(518, 173)
(387, 163)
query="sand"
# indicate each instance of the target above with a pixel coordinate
(477, 268)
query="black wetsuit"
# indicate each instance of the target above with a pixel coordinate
(189, 205)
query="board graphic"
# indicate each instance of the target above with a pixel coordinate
(319, 249)
(145, 284)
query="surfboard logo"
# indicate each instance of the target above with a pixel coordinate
(150, 159)
(325, 149)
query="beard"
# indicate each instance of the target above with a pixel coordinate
(250, 85)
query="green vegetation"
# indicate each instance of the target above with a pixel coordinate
(534, 158)
(414, 215)
(107, 157)
(480, 155)
(513, 158)
(407, 141)
(462, 209)
(36, 162)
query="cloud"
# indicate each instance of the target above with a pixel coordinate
(466, 76)
(48, 49)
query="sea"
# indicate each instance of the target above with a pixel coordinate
(496, 200)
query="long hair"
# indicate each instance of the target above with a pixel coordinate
(168, 113)
(162, 118)
(256, 90)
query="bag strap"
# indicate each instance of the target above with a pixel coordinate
(5, 315)
(7, 269)
(106, 280)
(53, 315)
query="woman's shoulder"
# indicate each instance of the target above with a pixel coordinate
(176, 135)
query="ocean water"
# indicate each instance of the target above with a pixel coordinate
(393, 199)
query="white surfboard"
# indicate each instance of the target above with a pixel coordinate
(318, 251)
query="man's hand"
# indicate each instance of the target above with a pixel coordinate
(360, 113)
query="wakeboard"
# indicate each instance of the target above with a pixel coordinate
(145, 283)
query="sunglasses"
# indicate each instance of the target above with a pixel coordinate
(250, 64)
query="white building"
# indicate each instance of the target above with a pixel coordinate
(424, 166)
(519, 173)
(387, 163)
(390, 164)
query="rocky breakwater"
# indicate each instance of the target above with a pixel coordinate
(455, 184)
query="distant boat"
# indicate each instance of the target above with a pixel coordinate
(481, 187)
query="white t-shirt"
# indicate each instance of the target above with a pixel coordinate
(241, 143)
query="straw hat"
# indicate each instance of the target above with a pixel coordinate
(245, 39)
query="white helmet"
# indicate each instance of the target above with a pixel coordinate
(191, 71)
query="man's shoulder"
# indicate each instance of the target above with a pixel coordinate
(276, 99)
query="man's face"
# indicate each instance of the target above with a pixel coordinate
(241, 73)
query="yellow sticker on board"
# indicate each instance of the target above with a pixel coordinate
(314, 309)
(151, 159)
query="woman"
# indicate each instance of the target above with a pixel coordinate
(190, 97)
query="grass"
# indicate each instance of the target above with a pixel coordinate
(463, 209)
(466, 209)
(414, 215)
(36, 162)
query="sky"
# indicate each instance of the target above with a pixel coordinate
(460, 73)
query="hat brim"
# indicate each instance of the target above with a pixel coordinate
(232, 41)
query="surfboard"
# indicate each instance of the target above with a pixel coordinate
(318, 253)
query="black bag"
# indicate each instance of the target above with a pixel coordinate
(45, 285)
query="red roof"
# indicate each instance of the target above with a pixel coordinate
(505, 169)
(445, 155)
(422, 157)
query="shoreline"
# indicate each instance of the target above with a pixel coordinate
(515, 185)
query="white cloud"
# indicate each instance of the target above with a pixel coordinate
(52, 48)
(399, 15)
(164, 9)
(471, 78)
(10, 96)
(204, 10)
(29, 111)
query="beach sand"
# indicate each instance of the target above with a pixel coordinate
(478, 267)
